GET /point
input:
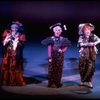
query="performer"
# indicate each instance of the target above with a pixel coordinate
(12, 63)
(87, 54)
(57, 45)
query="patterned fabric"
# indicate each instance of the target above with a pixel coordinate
(12, 63)
(60, 41)
(87, 57)
(55, 67)
(93, 38)
(87, 64)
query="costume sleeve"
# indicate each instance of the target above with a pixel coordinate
(80, 40)
(6, 37)
(5, 34)
(22, 38)
(96, 39)
(47, 41)
(66, 42)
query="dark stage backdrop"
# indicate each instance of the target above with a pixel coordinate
(37, 16)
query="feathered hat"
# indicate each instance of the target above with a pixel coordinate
(81, 26)
(58, 24)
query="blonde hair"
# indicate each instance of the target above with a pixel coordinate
(57, 27)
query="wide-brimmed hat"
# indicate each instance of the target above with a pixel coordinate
(81, 26)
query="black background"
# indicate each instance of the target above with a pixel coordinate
(37, 16)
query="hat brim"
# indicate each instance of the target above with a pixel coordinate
(81, 26)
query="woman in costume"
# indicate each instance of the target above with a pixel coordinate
(12, 63)
(57, 45)
(87, 54)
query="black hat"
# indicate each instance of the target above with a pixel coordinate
(58, 24)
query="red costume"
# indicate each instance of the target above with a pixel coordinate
(12, 62)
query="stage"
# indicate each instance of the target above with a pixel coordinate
(36, 76)
(37, 17)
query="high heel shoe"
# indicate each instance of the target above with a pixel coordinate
(81, 84)
(90, 85)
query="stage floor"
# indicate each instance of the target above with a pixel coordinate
(36, 75)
